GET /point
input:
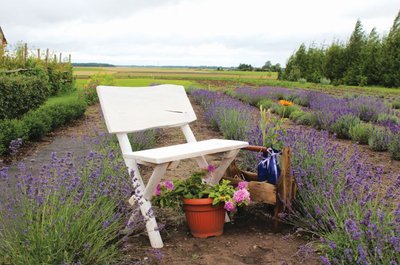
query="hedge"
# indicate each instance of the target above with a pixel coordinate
(37, 123)
(61, 78)
(20, 93)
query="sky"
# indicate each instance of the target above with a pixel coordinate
(187, 32)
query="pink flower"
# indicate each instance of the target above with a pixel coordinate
(229, 206)
(211, 168)
(169, 185)
(243, 185)
(158, 189)
(241, 196)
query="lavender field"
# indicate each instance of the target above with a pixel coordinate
(341, 201)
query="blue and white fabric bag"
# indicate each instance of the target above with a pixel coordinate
(268, 168)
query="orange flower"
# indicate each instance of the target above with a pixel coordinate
(285, 103)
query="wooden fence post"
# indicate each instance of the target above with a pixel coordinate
(25, 53)
(60, 57)
(47, 55)
(38, 54)
(69, 58)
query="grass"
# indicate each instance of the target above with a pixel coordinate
(145, 82)
(62, 98)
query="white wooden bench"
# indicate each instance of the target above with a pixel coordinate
(131, 109)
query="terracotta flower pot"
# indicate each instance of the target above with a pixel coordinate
(204, 220)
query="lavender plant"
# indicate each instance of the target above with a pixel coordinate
(361, 132)
(394, 147)
(379, 139)
(342, 126)
(65, 214)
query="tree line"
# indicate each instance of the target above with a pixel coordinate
(363, 60)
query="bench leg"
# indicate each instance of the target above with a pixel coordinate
(225, 162)
(144, 204)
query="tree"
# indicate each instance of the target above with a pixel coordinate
(391, 55)
(267, 66)
(245, 67)
(353, 75)
(372, 59)
(334, 66)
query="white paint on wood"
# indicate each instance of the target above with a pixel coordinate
(130, 109)
(184, 151)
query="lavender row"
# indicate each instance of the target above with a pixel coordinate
(339, 197)
(365, 108)
(366, 120)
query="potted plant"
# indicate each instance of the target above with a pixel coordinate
(204, 204)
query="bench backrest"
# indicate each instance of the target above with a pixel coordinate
(130, 109)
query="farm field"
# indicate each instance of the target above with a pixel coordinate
(222, 79)
(329, 171)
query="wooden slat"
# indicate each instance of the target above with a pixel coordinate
(185, 151)
(262, 192)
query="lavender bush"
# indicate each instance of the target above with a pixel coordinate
(233, 118)
(342, 126)
(379, 139)
(68, 213)
(361, 132)
(394, 147)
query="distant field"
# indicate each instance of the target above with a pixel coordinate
(127, 72)
(225, 80)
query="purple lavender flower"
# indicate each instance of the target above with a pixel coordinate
(325, 260)
(352, 229)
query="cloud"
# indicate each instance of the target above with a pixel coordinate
(187, 32)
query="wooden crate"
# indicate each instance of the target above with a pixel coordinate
(281, 195)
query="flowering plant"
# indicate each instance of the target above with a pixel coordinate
(170, 193)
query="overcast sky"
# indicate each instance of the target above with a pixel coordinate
(187, 32)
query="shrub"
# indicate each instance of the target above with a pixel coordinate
(37, 123)
(394, 147)
(11, 130)
(309, 119)
(302, 101)
(266, 103)
(379, 139)
(60, 77)
(396, 104)
(69, 214)
(368, 108)
(325, 81)
(285, 111)
(383, 118)
(295, 115)
(361, 132)
(89, 93)
(343, 124)
(302, 80)
(20, 93)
